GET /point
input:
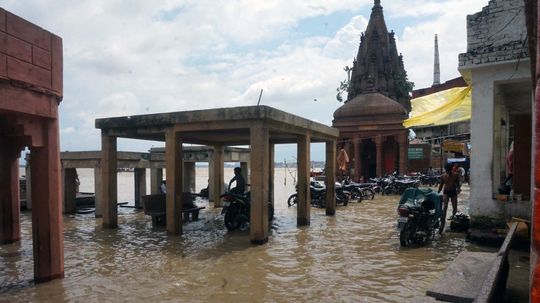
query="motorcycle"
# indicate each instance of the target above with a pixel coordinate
(359, 191)
(398, 186)
(430, 180)
(420, 215)
(318, 195)
(236, 208)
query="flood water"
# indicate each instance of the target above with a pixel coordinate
(354, 256)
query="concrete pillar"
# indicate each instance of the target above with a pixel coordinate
(47, 226)
(482, 129)
(304, 198)
(357, 146)
(189, 177)
(70, 190)
(98, 192)
(211, 178)
(173, 166)
(260, 158)
(28, 170)
(330, 168)
(10, 229)
(244, 166)
(379, 161)
(403, 152)
(140, 186)
(216, 178)
(271, 165)
(156, 176)
(109, 181)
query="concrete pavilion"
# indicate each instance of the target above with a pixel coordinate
(31, 88)
(260, 127)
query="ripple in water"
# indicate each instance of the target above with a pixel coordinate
(352, 257)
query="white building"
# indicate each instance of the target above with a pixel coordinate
(497, 66)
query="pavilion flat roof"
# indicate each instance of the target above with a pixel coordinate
(227, 126)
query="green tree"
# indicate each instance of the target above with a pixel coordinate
(404, 87)
(342, 89)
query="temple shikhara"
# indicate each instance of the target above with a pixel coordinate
(370, 121)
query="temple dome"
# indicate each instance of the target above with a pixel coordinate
(369, 105)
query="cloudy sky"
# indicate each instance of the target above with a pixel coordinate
(127, 57)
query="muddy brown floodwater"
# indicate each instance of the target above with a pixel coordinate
(354, 256)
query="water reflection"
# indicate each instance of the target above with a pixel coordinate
(352, 257)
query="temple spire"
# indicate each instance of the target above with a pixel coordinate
(436, 65)
(378, 67)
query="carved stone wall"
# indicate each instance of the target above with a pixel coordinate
(497, 33)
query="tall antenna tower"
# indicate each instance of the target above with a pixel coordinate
(437, 65)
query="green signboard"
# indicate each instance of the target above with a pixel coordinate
(416, 153)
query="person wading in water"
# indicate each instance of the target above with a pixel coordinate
(450, 182)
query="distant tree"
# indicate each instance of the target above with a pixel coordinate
(342, 89)
(404, 87)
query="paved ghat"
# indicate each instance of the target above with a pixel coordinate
(352, 257)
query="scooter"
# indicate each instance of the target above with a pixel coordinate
(420, 215)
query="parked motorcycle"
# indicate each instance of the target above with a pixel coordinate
(397, 186)
(359, 191)
(236, 208)
(420, 215)
(430, 180)
(318, 195)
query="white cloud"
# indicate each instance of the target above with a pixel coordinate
(136, 57)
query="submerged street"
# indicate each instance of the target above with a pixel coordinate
(352, 257)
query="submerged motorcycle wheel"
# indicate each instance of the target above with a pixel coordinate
(356, 194)
(405, 236)
(233, 217)
(368, 193)
(293, 199)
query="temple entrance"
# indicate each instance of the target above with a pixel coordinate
(390, 152)
(369, 150)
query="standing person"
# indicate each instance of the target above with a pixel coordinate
(77, 182)
(430, 171)
(240, 187)
(461, 172)
(450, 182)
(509, 164)
(163, 187)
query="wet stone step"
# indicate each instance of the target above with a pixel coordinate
(463, 278)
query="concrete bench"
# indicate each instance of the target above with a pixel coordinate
(474, 276)
(194, 213)
(156, 205)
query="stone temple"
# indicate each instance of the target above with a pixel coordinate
(370, 121)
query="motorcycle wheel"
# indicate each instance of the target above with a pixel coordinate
(293, 199)
(368, 193)
(342, 198)
(405, 236)
(356, 194)
(441, 226)
(270, 212)
(233, 218)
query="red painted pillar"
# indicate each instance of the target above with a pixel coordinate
(379, 161)
(357, 143)
(10, 229)
(535, 217)
(535, 229)
(47, 227)
(403, 152)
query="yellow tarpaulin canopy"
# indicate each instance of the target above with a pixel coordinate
(441, 108)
